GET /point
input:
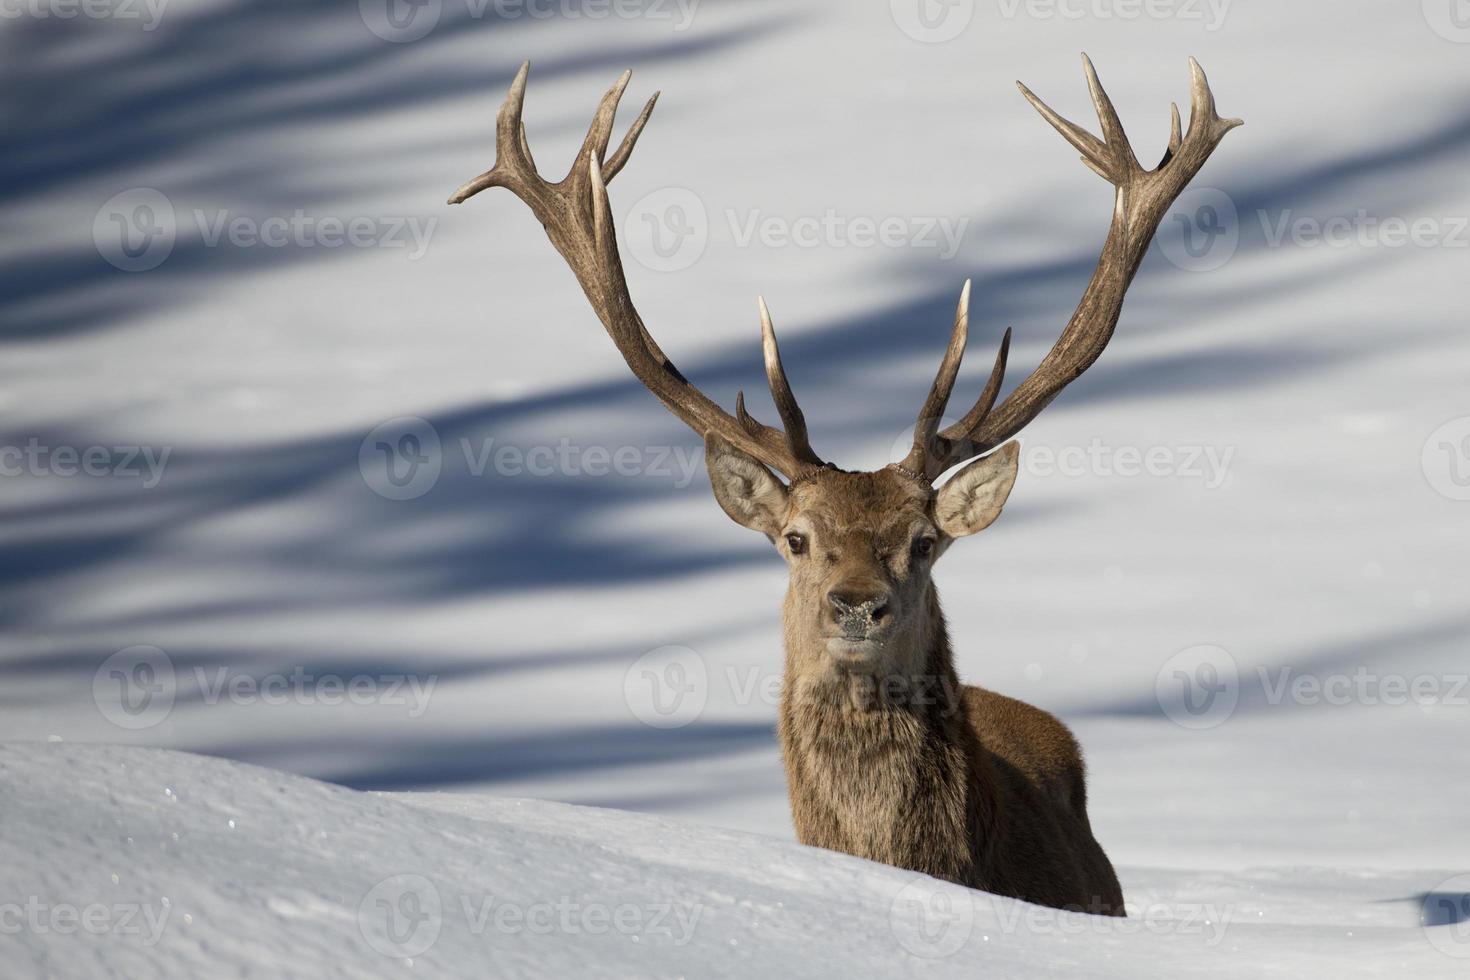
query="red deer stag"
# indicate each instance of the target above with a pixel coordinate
(887, 756)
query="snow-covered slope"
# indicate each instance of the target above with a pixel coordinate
(144, 862)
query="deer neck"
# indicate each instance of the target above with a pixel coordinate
(879, 765)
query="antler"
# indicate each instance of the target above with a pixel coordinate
(578, 220)
(1141, 199)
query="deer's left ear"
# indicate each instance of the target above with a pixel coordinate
(973, 497)
(746, 490)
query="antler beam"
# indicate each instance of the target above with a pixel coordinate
(578, 220)
(1141, 199)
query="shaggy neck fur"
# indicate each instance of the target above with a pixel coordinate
(886, 767)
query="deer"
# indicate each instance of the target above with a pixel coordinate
(887, 755)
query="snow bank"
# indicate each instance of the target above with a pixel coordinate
(145, 862)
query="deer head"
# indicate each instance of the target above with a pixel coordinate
(860, 545)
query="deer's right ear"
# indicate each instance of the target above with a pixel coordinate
(971, 500)
(746, 490)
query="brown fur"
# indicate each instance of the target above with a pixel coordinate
(902, 764)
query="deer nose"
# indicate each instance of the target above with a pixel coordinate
(849, 604)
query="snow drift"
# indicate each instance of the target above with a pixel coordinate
(145, 862)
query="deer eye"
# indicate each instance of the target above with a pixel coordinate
(797, 543)
(924, 547)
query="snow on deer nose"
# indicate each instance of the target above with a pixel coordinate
(858, 612)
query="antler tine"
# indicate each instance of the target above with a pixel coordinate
(512, 153)
(791, 416)
(956, 440)
(599, 133)
(1107, 116)
(1202, 105)
(934, 403)
(1094, 154)
(630, 139)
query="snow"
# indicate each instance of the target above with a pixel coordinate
(501, 633)
(143, 862)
